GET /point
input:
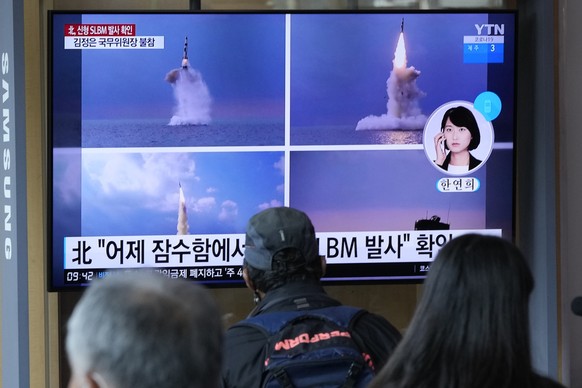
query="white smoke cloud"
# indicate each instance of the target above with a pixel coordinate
(145, 174)
(192, 97)
(272, 203)
(280, 165)
(151, 179)
(66, 188)
(402, 109)
(228, 211)
(204, 204)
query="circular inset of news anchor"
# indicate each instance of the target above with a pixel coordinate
(458, 136)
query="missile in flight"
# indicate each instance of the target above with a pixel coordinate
(402, 25)
(185, 56)
(184, 71)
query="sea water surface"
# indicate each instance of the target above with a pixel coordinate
(157, 133)
(346, 135)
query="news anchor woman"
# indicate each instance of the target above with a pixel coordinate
(459, 134)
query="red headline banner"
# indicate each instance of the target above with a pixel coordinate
(99, 29)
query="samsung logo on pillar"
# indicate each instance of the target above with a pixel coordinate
(490, 29)
(6, 185)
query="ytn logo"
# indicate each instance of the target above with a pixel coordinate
(490, 29)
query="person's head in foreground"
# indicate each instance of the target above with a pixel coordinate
(471, 326)
(281, 248)
(283, 267)
(141, 330)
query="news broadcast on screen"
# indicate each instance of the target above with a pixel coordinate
(394, 131)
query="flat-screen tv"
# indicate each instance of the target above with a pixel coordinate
(394, 131)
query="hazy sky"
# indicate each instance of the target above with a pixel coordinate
(240, 57)
(138, 193)
(340, 63)
(375, 190)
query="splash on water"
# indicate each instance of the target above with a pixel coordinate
(191, 94)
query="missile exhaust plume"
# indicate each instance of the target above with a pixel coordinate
(403, 110)
(182, 214)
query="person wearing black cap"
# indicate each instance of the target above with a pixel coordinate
(282, 266)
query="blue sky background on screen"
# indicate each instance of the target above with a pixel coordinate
(340, 63)
(241, 59)
(335, 80)
(138, 193)
(379, 191)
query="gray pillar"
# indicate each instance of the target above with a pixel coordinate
(570, 108)
(13, 239)
(536, 179)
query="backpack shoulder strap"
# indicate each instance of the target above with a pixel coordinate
(271, 323)
(294, 303)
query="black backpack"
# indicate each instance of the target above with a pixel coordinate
(312, 348)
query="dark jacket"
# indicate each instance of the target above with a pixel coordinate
(473, 162)
(545, 382)
(244, 352)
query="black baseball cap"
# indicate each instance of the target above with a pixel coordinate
(275, 229)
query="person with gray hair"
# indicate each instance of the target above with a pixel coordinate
(144, 330)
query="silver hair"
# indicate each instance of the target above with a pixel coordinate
(146, 330)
